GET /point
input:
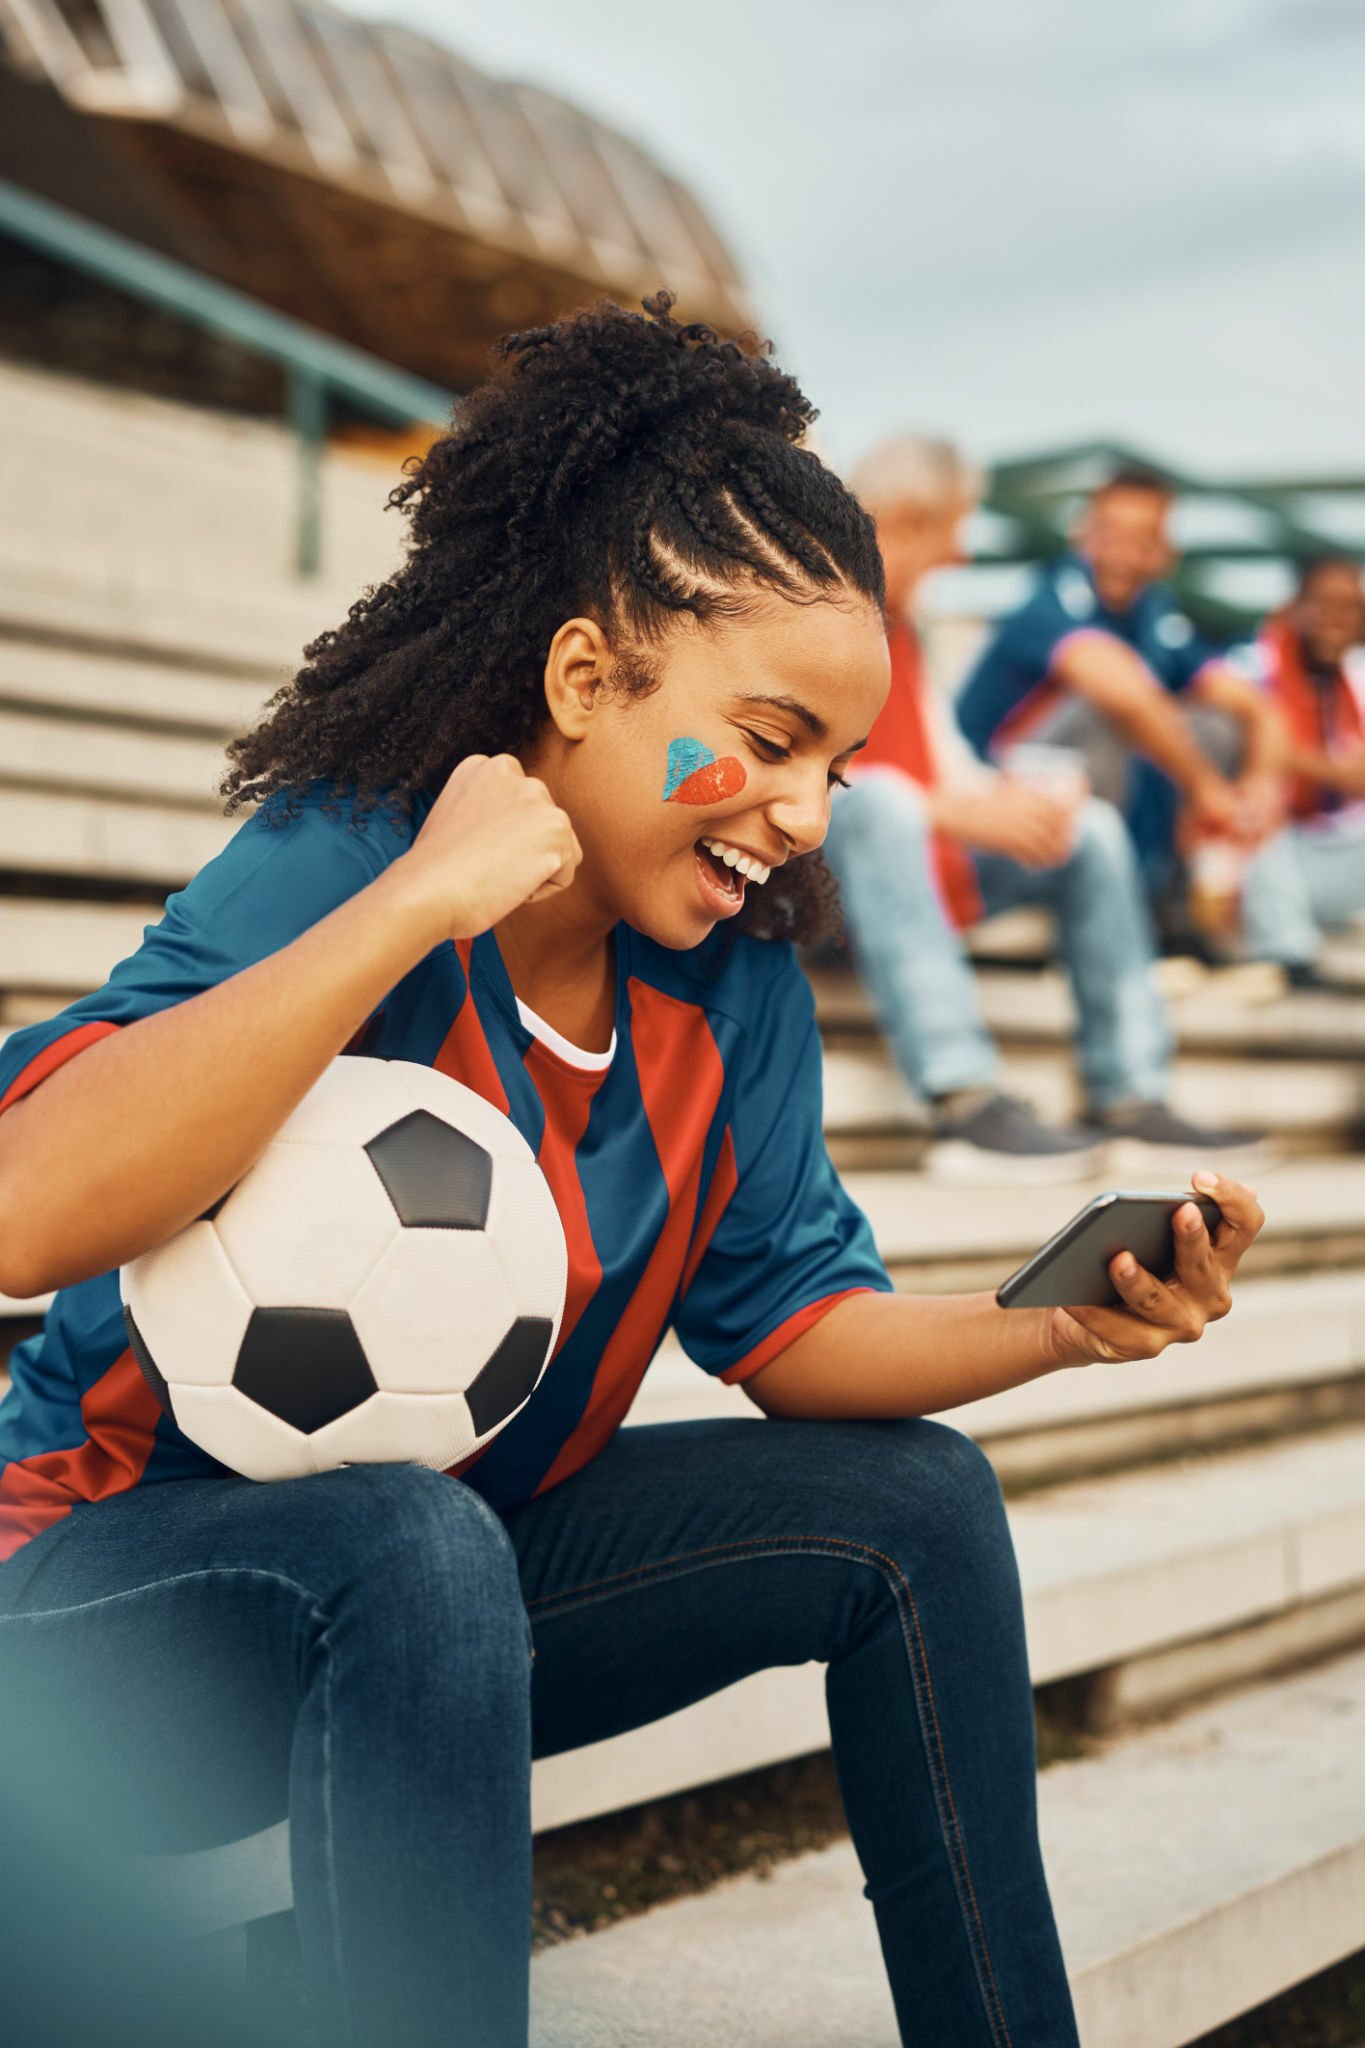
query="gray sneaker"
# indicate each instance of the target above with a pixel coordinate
(1147, 1137)
(998, 1138)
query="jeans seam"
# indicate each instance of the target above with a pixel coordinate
(217, 1571)
(953, 1839)
(328, 1838)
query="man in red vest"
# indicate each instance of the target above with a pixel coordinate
(1312, 878)
(928, 839)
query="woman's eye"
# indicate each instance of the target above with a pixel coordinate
(770, 751)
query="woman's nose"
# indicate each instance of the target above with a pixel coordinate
(802, 815)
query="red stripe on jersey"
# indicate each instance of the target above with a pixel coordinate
(767, 1348)
(464, 1053)
(1036, 704)
(568, 1105)
(671, 1039)
(120, 1413)
(724, 1181)
(1028, 714)
(567, 1109)
(53, 1056)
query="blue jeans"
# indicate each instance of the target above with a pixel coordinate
(920, 975)
(356, 1649)
(1299, 886)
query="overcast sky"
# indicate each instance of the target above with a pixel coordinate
(1018, 221)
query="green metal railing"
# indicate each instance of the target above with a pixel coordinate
(317, 368)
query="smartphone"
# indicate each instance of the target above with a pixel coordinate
(1072, 1269)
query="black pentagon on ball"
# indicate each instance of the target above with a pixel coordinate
(510, 1374)
(303, 1364)
(137, 1344)
(436, 1177)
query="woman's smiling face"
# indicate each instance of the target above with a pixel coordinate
(751, 723)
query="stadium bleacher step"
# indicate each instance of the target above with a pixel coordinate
(64, 599)
(1207, 1010)
(1196, 1869)
(142, 503)
(1172, 1581)
(108, 839)
(1250, 1555)
(1301, 1098)
(1315, 1210)
(84, 682)
(1291, 1357)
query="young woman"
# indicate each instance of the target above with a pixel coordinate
(544, 812)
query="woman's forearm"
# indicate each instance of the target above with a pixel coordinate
(132, 1140)
(884, 1355)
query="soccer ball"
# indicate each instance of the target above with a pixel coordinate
(384, 1285)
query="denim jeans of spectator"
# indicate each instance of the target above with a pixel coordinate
(1301, 885)
(921, 978)
(356, 1649)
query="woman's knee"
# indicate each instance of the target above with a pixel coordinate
(417, 1541)
(915, 1486)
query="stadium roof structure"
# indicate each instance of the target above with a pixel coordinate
(360, 176)
(1238, 542)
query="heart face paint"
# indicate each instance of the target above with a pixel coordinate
(695, 776)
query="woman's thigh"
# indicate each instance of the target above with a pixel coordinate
(687, 1555)
(155, 1649)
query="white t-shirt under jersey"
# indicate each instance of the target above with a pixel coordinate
(574, 1054)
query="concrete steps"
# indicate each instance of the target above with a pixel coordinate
(1120, 1575)
(1225, 1011)
(1171, 1581)
(1196, 1869)
(1291, 1357)
(165, 488)
(932, 1234)
(1294, 1098)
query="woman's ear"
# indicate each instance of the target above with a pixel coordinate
(578, 661)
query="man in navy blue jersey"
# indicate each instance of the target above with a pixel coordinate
(1102, 657)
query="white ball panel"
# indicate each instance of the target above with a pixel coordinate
(306, 1225)
(189, 1306)
(433, 1311)
(349, 1103)
(398, 1429)
(240, 1434)
(526, 1233)
(463, 1107)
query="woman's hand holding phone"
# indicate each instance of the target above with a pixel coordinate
(493, 840)
(1155, 1313)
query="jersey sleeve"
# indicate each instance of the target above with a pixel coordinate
(789, 1242)
(1178, 651)
(1016, 663)
(268, 885)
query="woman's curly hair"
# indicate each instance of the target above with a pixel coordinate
(616, 465)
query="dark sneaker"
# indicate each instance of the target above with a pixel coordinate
(1149, 1137)
(995, 1137)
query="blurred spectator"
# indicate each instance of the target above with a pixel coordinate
(1102, 658)
(1312, 878)
(928, 839)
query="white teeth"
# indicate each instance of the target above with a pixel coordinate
(752, 869)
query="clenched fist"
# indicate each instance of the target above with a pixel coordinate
(493, 840)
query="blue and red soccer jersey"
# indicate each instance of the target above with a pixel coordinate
(1012, 689)
(690, 1173)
